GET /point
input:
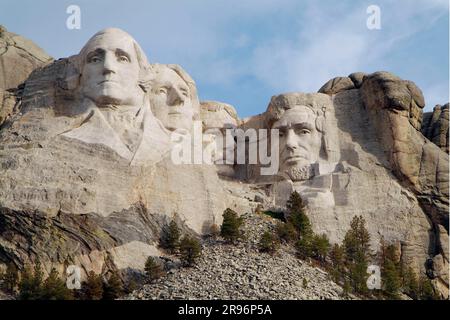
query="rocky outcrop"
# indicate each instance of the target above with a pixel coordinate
(218, 115)
(338, 84)
(241, 272)
(394, 108)
(435, 126)
(18, 58)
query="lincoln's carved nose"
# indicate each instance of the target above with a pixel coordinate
(290, 140)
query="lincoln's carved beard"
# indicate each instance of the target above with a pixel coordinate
(299, 173)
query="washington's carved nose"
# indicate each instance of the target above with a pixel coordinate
(108, 66)
(107, 71)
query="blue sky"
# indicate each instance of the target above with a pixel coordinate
(243, 52)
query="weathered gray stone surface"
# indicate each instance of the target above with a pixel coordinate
(336, 85)
(435, 126)
(18, 58)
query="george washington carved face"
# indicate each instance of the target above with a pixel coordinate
(111, 67)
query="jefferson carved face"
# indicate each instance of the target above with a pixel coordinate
(171, 100)
(110, 71)
(300, 141)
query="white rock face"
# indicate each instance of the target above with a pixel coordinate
(173, 97)
(358, 184)
(86, 166)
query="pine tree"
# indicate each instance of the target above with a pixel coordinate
(390, 271)
(297, 216)
(153, 269)
(411, 283)
(190, 249)
(337, 257)
(337, 262)
(30, 286)
(358, 275)
(113, 288)
(268, 243)
(171, 240)
(304, 247)
(357, 240)
(10, 278)
(286, 232)
(131, 286)
(54, 288)
(357, 250)
(93, 287)
(25, 284)
(426, 289)
(320, 247)
(391, 279)
(346, 289)
(230, 229)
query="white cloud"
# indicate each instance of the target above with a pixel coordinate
(336, 44)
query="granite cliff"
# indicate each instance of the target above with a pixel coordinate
(88, 177)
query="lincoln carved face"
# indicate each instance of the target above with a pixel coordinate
(299, 139)
(171, 99)
(110, 69)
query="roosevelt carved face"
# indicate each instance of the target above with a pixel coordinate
(110, 71)
(300, 141)
(171, 100)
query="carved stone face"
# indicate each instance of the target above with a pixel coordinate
(300, 141)
(110, 72)
(171, 100)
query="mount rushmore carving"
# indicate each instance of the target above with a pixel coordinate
(87, 177)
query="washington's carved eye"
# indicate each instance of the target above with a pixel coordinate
(124, 59)
(94, 59)
(281, 133)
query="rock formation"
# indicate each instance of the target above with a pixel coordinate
(18, 58)
(435, 126)
(88, 176)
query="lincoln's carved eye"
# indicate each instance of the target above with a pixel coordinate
(281, 133)
(302, 131)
